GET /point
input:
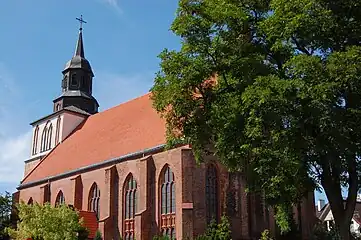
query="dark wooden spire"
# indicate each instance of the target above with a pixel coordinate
(79, 51)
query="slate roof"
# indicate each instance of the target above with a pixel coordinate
(77, 110)
(127, 128)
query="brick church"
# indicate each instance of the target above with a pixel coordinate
(113, 164)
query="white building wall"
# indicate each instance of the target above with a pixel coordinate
(68, 122)
(42, 125)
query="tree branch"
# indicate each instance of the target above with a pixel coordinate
(299, 47)
(353, 186)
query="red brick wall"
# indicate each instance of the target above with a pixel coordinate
(190, 196)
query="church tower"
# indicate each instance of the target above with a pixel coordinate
(77, 81)
(75, 104)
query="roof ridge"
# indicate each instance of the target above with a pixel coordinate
(121, 104)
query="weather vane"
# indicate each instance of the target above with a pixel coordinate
(81, 21)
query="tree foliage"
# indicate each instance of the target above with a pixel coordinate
(5, 211)
(283, 104)
(44, 222)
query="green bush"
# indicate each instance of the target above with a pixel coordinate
(216, 231)
(98, 235)
(266, 235)
(161, 238)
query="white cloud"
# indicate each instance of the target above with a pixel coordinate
(114, 4)
(14, 144)
(112, 89)
(13, 151)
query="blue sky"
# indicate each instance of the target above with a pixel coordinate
(122, 40)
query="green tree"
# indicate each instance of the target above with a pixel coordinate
(5, 211)
(98, 235)
(44, 222)
(285, 107)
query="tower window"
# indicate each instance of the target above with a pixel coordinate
(35, 140)
(57, 133)
(74, 80)
(46, 137)
(64, 82)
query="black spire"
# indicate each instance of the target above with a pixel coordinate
(77, 81)
(79, 51)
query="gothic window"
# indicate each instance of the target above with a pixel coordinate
(49, 135)
(35, 140)
(65, 82)
(94, 199)
(46, 137)
(167, 202)
(211, 194)
(129, 207)
(60, 199)
(57, 133)
(74, 80)
(30, 201)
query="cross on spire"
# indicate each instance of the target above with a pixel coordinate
(81, 21)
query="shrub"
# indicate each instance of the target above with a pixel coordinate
(98, 235)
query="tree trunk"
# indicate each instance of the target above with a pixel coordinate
(342, 210)
(344, 231)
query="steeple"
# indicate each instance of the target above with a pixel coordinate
(79, 51)
(77, 81)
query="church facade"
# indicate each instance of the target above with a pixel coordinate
(114, 164)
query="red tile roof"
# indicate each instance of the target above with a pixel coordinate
(90, 222)
(127, 128)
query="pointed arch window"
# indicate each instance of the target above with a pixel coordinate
(129, 206)
(167, 203)
(57, 132)
(46, 137)
(60, 199)
(212, 194)
(30, 201)
(49, 135)
(94, 199)
(35, 140)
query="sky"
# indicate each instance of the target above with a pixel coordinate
(122, 40)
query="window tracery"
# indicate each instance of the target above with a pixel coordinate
(46, 137)
(212, 194)
(94, 199)
(168, 203)
(129, 207)
(60, 199)
(57, 133)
